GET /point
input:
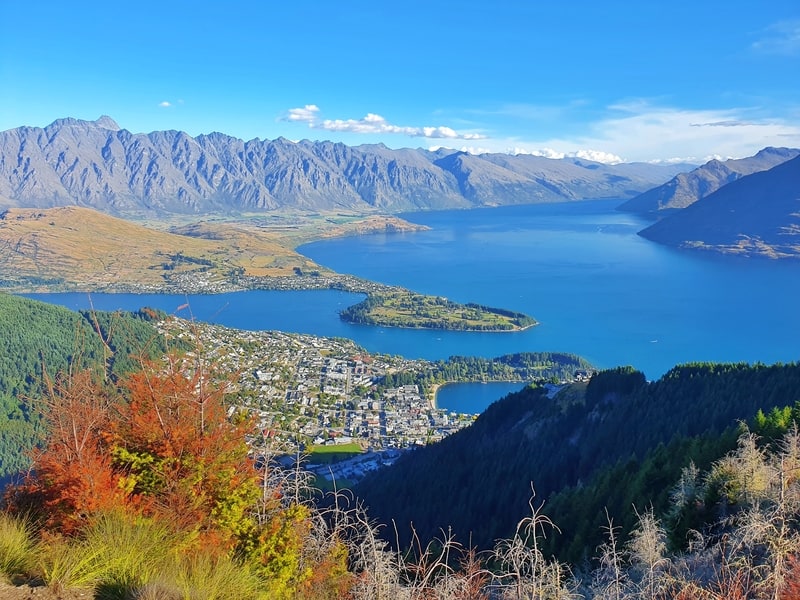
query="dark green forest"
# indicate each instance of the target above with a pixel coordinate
(523, 366)
(38, 339)
(619, 442)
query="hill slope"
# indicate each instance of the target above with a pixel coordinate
(79, 248)
(82, 249)
(478, 480)
(39, 337)
(96, 164)
(757, 215)
(686, 188)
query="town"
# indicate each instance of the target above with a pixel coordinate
(309, 392)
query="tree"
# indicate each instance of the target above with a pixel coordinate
(178, 453)
(73, 475)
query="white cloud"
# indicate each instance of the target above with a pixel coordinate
(631, 131)
(373, 124)
(779, 38)
(640, 131)
(165, 104)
(593, 155)
(307, 114)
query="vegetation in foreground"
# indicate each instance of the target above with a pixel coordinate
(110, 526)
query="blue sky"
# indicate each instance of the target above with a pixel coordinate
(606, 80)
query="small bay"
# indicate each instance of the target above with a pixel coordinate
(473, 398)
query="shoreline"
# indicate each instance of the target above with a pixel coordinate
(434, 389)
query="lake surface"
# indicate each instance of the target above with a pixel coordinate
(473, 398)
(597, 288)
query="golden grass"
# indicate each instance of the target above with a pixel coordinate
(18, 549)
(79, 248)
(119, 556)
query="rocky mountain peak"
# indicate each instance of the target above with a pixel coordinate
(99, 165)
(107, 122)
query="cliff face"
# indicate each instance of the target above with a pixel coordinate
(96, 164)
(686, 188)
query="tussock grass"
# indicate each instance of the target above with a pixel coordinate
(18, 547)
(65, 564)
(204, 577)
(116, 554)
(124, 558)
(128, 552)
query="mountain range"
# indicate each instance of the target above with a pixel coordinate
(96, 164)
(757, 215)
(687, 188)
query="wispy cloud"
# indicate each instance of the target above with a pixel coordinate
(723, 124)
(641, 131)
(168, 104)
(780, 38)
(373, 124)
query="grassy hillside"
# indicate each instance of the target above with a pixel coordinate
(78, 248)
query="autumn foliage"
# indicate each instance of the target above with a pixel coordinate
(162, 444)
(73, 476)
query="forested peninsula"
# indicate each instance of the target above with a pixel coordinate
(401, 308)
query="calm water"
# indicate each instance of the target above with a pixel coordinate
(473, 398)
(597, 288)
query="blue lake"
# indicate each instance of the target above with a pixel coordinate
(597, 288)
(473, 398)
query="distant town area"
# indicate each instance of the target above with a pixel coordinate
(308, 392)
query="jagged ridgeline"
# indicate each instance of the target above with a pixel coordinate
(37, 337)
(616, 441)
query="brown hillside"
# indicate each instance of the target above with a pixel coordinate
(79, 248)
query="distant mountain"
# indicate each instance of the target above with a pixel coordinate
(757, 215)
(97, 164)
(686, 188)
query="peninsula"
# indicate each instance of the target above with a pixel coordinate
(79, 249)
(401, 308)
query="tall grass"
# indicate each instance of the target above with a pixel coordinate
(67, 564)
(18, 547)
(116, 554)
(206, 577)
(120, 557)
